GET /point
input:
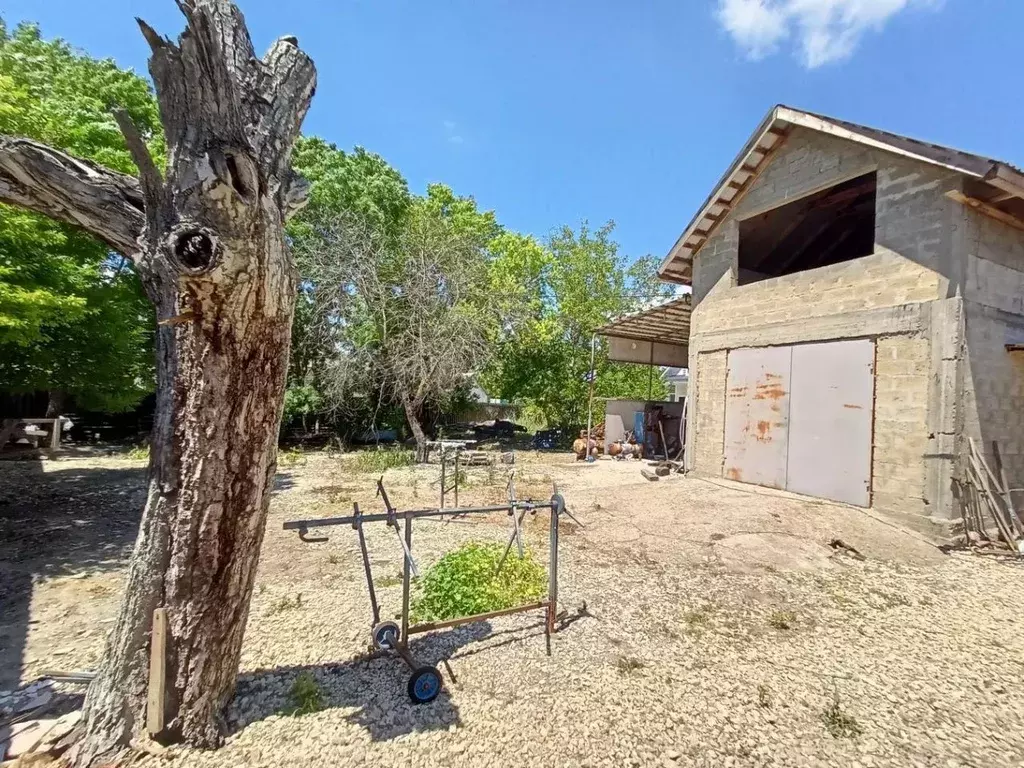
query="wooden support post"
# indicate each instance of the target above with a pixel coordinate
(982, 472)
(55, 437)
(1015, 519)
(157, 673)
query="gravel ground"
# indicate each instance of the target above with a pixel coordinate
(720, 629)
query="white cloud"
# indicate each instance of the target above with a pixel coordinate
(826, 31)
(451, 132)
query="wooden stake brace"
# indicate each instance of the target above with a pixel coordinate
(157, 673)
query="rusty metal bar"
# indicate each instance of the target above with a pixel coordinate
(444, 476)
(406, 573)
(513, 538)
(297, 525)
(430, 626)
(357, 523)
(402, 649)
(556, 505)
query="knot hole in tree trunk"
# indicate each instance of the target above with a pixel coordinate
(195, 250)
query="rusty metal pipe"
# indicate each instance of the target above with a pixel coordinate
(432, 625)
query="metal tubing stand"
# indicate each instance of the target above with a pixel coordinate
(445, 487)
(425, 682)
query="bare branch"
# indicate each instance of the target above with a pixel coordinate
(295, 195)
(155, 39)
(107, 204)
(289, 82)
(149, 177)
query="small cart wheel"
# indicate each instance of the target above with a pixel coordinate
(424, 685)
(385, 635)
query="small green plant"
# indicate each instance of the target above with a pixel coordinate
(286, 603)
(466, 581)
(890, 599)
(333, 559)
(138, 453)
(389, 581)
(782, 620)
(383, 459)
(838, 723)
(627, 665)
(764, 696)
(304, 697)
(291, 457)
(697, 620)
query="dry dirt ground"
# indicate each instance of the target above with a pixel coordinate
(721, 629)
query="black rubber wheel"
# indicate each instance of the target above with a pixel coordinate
(424, 685)
(385, 635)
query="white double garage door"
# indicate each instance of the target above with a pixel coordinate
(800, 418)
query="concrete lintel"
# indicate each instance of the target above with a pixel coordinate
(887, 321)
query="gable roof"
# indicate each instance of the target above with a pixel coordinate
(677, 267)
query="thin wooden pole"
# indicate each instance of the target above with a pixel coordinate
(991, 483)
(590, 400)
(990, 498)
(157, 673)
(1015, 518)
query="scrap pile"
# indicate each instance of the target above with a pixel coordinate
(39, 717)
(579, 445)
(627, 448)
(985, 498)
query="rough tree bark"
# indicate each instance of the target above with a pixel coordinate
(54, 404)
(412, 415)
(208, 241)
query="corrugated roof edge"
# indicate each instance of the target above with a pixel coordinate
(1001, 174)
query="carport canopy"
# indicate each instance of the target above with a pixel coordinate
(656, 336)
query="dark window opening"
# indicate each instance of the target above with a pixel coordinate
(828, 227)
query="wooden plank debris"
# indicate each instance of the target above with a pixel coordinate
(157, 673)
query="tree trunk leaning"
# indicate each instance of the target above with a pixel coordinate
(207, 238)
(413, 417)
(54, 404)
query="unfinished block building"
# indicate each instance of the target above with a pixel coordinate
(857, 315)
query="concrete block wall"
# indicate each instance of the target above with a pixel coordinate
(886, 296)
(993, 378)
(994, 388)
(884, 279)
(708, 421)
(902, 385)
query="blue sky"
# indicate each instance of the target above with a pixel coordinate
(553, 112)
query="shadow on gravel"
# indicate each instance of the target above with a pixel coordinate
(376, 685)
(283, 481)
(66, 521)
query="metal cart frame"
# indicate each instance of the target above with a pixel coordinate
(425, 682)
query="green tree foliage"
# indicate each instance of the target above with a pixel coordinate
(72, 316)
(574, 283)
(357, 184)
(405, 315)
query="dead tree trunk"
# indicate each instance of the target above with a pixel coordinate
(54, 404)
(412, 415)
(208, 241)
